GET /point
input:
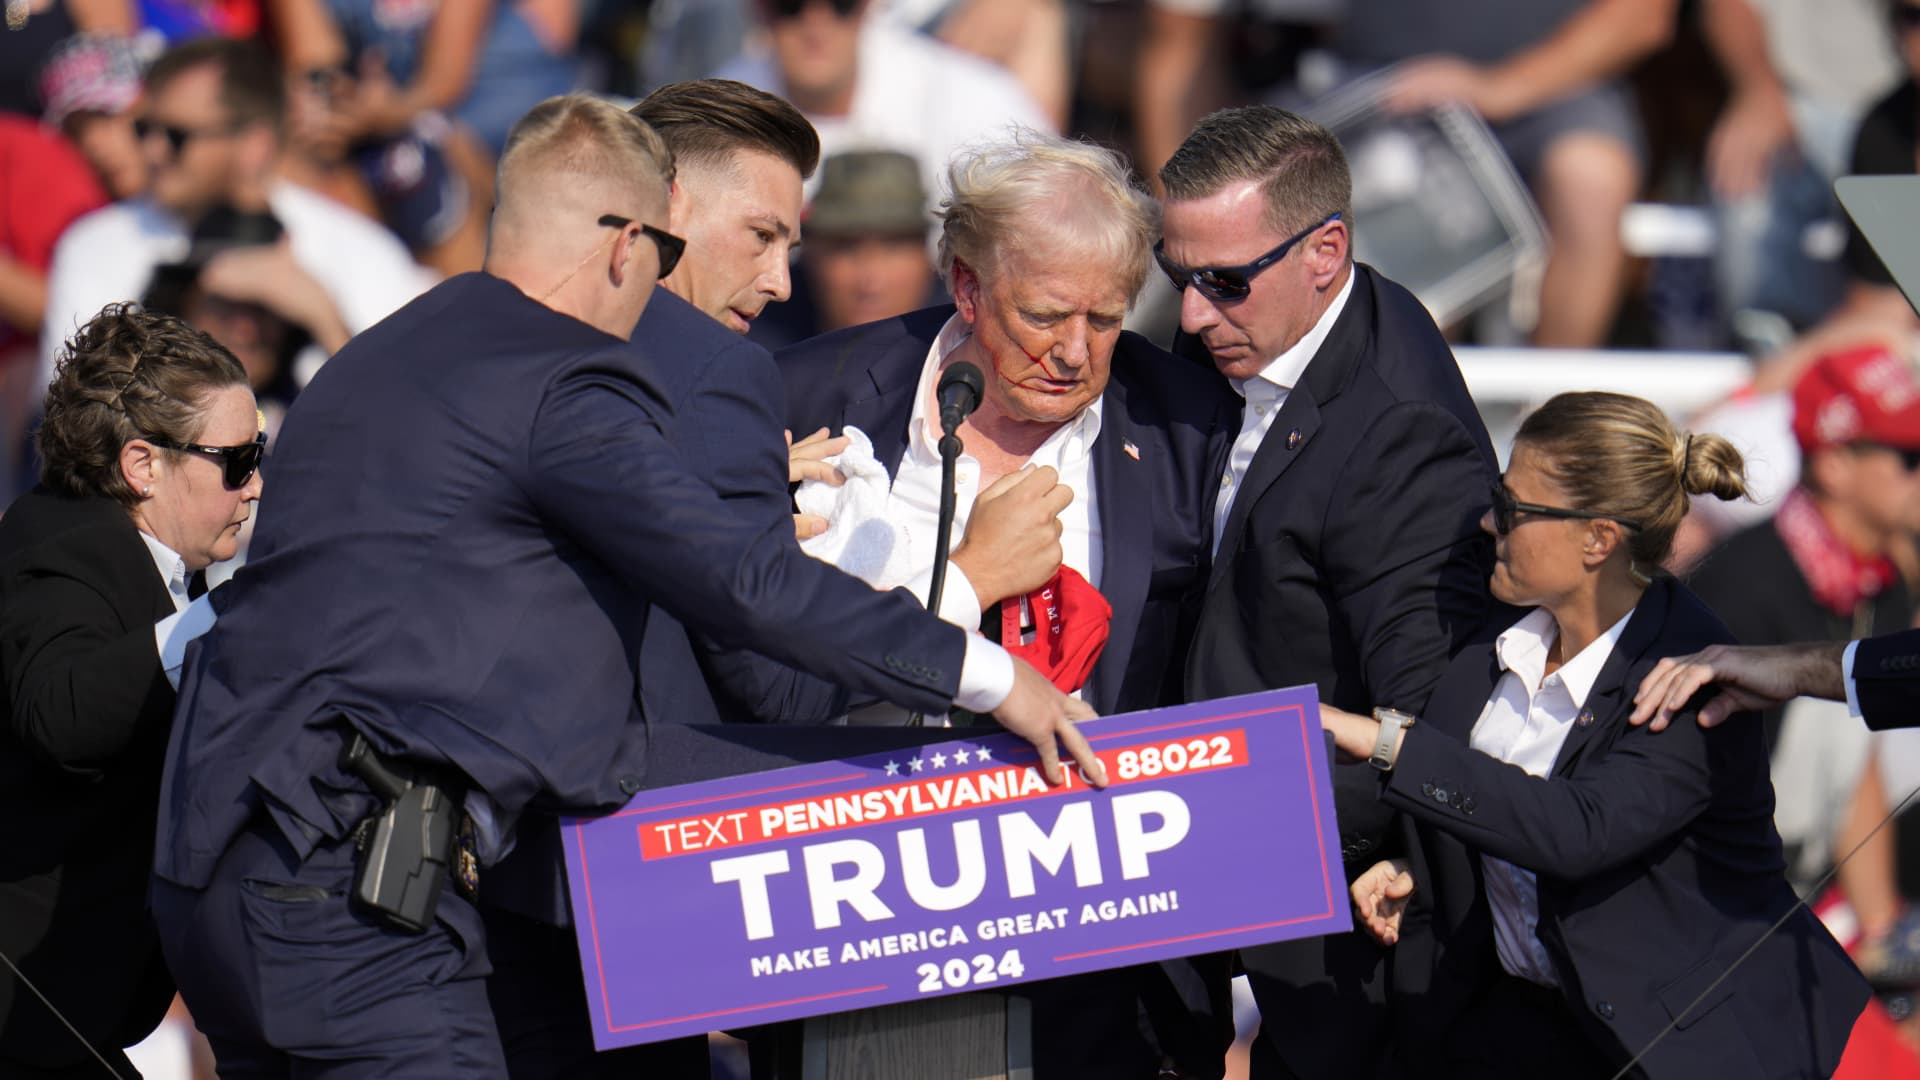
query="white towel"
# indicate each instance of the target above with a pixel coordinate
(859, 538)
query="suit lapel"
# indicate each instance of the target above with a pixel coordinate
(1458, 702)
(1294, 426)
(893, 376)
(1127, 511)
(1610, 690)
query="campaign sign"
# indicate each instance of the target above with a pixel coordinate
(955, 867)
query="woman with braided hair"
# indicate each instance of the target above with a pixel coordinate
(151, 450)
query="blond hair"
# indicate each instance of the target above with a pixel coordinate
(1033, 190)
(1620, 456)
(573, 141)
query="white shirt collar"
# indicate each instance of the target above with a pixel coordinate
(1283, 373)
(923, 435)
(173, 568)
(1522, 649)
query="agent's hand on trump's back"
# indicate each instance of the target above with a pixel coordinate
(1038, 712)
(1380, 898)
(1012, 544)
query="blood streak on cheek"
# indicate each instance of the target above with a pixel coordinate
(1039, 361)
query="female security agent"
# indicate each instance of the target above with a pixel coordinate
(151, 449)
(1582, 886)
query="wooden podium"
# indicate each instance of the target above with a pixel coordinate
(964, 1037)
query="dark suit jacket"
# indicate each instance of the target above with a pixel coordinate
(1352, 560)
(728, 412)
(87, 709)
(1156, 510)
(1658, 867)
(1886, 676)
(474, 505)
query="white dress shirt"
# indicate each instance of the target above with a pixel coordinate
(1525, 723)
(1265, 393)
(190, 618)
(913, 504)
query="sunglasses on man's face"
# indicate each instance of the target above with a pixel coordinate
(177, 137)
(671, 247)
(1906, 17)
(787, 9)
(1228, 283)
(1506, 509)
(1909, 459)
(237, 463)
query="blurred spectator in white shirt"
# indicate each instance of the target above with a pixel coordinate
(212, 127)
(865, 83)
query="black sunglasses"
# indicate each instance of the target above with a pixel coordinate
(1910, 459)
(237, 463)
(787, 9)
(1505, 507)
(1230, 282)
(177, 137)
(1906, 17)
(671, 246)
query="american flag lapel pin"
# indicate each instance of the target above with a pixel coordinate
(1127, 448)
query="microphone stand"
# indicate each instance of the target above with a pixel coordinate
(950, 448)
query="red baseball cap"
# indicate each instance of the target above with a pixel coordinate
(1864, 394)
(1073, 620)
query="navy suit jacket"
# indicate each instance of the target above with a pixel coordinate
(1886, 674)
(1352, 560)
(1156, 509)
(1658, 867)
(728, 412)
(470, 511)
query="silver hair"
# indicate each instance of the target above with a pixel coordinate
(1034, 191)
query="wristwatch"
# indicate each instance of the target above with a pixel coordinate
(1393, 727)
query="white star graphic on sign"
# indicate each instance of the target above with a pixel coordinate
(893, 769)
(914, 764)
(939, 761)
(962, 755)
(984, 754)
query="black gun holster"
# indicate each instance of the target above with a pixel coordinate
(405, 848)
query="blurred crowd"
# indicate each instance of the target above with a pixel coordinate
(283, 174)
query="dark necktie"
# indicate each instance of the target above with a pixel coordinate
(196, 585)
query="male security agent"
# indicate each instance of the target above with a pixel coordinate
(1347, 552)
(479, 503)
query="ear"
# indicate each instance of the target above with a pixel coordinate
(968, 291)
(1327, 252)
(259, 148)
(139, 465)
(620, 257)
(1829, 471)
(1602, 540)
(679, 208)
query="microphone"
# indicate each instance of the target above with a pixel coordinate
(959, 394)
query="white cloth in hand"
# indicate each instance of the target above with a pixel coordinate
(859, 538)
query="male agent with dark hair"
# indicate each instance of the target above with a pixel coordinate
(1347, 552)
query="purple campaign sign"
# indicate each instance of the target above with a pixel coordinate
(953, 867)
